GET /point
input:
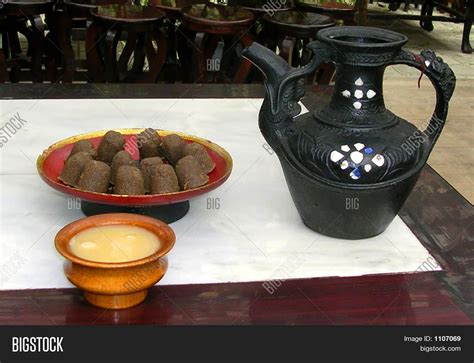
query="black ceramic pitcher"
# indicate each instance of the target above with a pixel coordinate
(350, 164)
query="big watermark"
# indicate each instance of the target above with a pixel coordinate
(285, 271)
(272, 6)
(418, 138)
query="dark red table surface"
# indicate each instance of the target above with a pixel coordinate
(436, 213)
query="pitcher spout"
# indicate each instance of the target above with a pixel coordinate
(284, 87)
(271, 65)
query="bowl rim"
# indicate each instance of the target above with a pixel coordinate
(182, 194)
(64, 236)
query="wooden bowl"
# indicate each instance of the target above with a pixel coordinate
(115, 285)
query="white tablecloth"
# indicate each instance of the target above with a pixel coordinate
(255, 234)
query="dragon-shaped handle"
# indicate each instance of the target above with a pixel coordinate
(443, 80)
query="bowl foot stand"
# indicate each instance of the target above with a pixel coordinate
(116, 301)
(167, 213)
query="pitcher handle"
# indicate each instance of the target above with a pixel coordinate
(443, 80)
(322, 53)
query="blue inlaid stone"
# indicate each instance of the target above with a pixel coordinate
(368, 150)
(355, 174)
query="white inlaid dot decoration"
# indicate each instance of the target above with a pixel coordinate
(336, 156)
(354, 175)
(355, 160)
(359, 82)
(357, 105)
(357, 156)
(378, 160)
(427, 63)
(346, 93)
(370, 93)
(358, 94)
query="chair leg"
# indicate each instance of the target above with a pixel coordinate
(185, 52)
(245, 65)
(286, 49)
(110, 55)
(306, 56)
(212, 47)
(14, 40)
(3, 67)
(35, 49)
(199, 59)
(13, 50)
(296, 58)
(36, 25)
(127, 51)
(49, 46)
(466, 45)
(361, 14)
(156, 59)
(95, 67)
(139, 54)
(4, 55)
(427, 10)
(62, 30)
(171, 70)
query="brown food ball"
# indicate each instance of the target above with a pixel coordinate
(83, 146)
(129, 181)
(74, 167)
(147, 166)
(190, 174)
(95, 177)
(201, 155)
(121, 158)
(148, 143)
(163, 180)
(111, 144)
(173, 146)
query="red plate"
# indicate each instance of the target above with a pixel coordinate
(51, 163)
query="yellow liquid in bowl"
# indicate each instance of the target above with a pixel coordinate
(114, 243)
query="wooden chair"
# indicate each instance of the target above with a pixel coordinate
(293, 31)
(344, 12)
(142, 26)
(217, 36)
(178, 64)
(71, 20)
(14, 21)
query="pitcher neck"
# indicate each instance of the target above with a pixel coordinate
(359, 89)
(357, 101)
